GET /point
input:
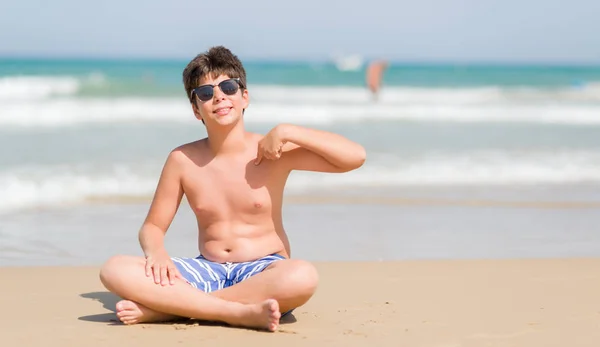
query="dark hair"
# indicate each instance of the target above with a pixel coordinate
(216, 61)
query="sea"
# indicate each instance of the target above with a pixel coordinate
(75, 131)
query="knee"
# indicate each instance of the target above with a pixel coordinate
(116, 269)
(303, 276)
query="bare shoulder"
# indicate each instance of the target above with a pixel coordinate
(188, 152)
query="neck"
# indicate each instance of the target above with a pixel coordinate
(227, 140)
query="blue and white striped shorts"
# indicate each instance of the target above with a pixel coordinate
(209, 276)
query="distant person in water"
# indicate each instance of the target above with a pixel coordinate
(233, 181)
(374, 76)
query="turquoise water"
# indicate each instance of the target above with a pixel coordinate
(71, 130)
(155, 77)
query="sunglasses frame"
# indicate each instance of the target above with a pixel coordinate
(237, 81)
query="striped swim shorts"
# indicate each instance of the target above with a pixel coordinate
(209, 276)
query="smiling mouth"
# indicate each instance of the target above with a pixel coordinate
(222, 111)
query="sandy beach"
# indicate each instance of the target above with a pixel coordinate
(450, 303)
(447, 268)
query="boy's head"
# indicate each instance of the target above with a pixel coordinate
(211, 67)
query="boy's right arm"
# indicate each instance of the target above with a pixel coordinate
(165, 204)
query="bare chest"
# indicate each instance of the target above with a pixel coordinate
(229, 192)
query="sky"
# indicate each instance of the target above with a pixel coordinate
(519, 31)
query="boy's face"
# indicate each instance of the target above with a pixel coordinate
(226, 104)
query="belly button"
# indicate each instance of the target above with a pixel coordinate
(227, 250)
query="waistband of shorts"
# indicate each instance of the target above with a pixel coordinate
(277, 255)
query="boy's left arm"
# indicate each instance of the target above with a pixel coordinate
(310, 149)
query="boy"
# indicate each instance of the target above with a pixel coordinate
(234, 182)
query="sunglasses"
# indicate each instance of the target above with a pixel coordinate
(228, 87)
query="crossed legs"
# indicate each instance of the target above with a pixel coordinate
(255, 302)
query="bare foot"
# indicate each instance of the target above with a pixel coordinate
(264, 316)
(130, 312)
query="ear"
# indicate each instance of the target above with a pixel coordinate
(245, 98)
(196, 111)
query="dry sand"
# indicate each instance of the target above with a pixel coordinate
(531, 303)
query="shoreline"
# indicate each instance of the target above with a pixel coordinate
(510, 196)
(350, 226)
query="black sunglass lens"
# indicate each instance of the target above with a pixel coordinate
(204, 93)
(229, 87)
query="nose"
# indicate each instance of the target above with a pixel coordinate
(218, 94)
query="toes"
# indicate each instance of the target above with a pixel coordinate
(273, 305)
(124, 313)
(126, 316)
(273, 326)
(128, 319)
(274, 314)
(124, 305)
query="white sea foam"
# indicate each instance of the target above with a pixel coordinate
(53, 101)
(39, 186)
(66, 112)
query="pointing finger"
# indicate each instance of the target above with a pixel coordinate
(259, 157)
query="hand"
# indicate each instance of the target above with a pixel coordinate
(162, 268)
(270, 146)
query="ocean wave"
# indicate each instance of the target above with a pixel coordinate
(31, 88)
(39, 87)
(69, 111)
(28, 187)
(36, 87)
(73, 111)
(33, 101)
